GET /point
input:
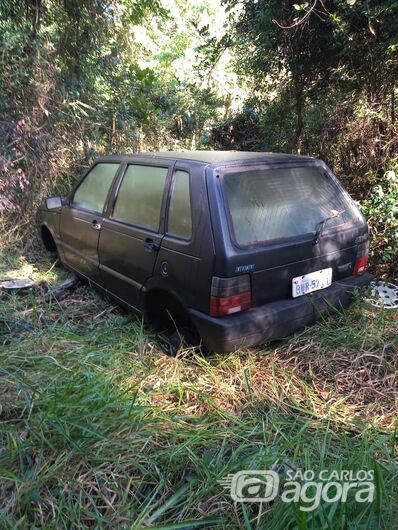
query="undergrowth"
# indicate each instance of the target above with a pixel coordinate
(101, 429)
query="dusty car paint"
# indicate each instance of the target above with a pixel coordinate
(155, 272)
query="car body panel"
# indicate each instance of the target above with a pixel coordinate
(49, 219)
(184, 268)
(79, 231)
(277, 319)
(79, 241)
(126, 262)
(274, 264)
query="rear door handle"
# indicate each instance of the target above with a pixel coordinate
(150, 245)
(95, 225)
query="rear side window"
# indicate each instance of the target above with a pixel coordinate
(140, 196)
(92, 192)
(266, 204)
(180, 221)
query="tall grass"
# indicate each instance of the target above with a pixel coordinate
(100, 429)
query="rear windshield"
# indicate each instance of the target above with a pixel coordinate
(267, 204)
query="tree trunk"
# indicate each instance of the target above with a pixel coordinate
(299, 104)
(33, 13)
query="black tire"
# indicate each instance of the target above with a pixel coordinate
(171, 320)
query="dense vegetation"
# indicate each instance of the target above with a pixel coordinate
(85, 78)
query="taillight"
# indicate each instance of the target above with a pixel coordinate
(230, 295)
(362, 258)
(360, 265)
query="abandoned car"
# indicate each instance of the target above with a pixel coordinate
(242, 247)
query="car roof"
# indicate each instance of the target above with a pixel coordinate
(214, 157)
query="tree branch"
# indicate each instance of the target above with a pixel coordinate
(300, 21)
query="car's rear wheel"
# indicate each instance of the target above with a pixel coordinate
(169, 317)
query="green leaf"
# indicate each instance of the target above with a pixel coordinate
(300, 7)
(6, 473)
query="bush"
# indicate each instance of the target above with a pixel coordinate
(381, 211)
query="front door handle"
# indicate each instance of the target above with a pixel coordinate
(95, 225)
(150, 245)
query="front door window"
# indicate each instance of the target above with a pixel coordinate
(93, 190)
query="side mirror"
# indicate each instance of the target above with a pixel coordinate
(53, 203)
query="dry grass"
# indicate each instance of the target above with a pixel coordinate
(100, 428)
(348, 384)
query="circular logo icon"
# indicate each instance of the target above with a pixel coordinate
(164, 269)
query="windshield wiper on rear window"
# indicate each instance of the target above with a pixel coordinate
(322, 224)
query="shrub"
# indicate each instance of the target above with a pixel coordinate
(381, 210)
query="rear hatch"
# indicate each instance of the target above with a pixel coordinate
(285, 221)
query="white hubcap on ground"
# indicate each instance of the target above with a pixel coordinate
(383, 294)
(17, 283)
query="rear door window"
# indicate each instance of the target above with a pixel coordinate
(93, 190)
(140, 196)
(180, 221)
(269, 204)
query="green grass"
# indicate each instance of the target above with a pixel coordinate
(100, 429)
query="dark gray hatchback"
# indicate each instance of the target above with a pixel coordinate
(241, 247)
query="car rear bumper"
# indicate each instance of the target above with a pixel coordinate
(275, 320)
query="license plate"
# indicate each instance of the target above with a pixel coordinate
(311, 282)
